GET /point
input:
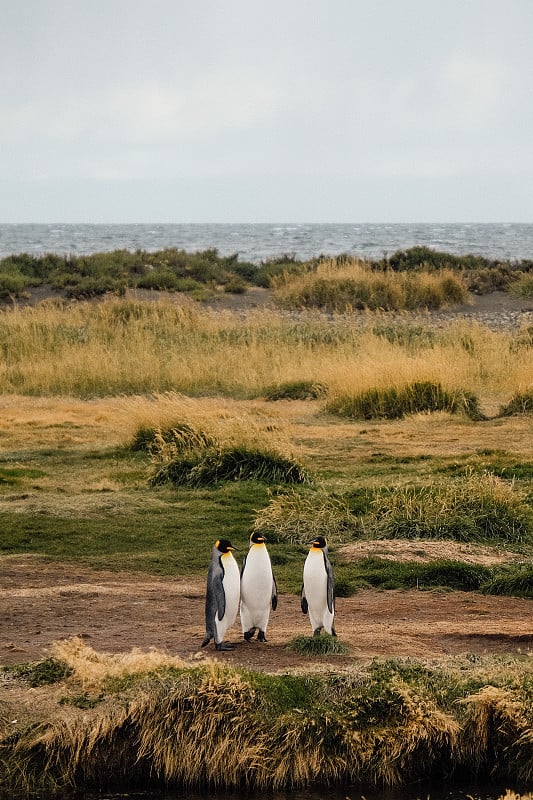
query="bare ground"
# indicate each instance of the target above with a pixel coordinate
(41, 602)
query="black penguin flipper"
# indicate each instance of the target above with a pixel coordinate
(218, 590)
(303, 602)
(331, 584)
(243, 565)
(274, 594)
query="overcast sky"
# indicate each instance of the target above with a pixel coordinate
(256, 111)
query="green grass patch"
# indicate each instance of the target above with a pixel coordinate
(517, 582)
(41, 673)
(83, 700)
(323, 645)
(13, 475)
(165, 535)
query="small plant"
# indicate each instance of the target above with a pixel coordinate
(324, 645)
(41, 673)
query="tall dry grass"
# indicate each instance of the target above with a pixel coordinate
(128, 347)
(348, 284)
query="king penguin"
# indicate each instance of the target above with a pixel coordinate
(258, 589)
(318, 590)
(222, 595)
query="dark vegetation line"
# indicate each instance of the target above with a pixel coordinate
(173, 269)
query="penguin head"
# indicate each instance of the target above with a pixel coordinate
(319, 541)
(224, 545)
(257, 538)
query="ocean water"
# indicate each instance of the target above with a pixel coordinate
(259, 242)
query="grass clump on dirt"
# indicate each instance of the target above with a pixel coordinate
(414, 398)
(324, 645)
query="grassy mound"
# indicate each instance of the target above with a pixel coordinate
(394, 403)
(215, 465)
(388, 723)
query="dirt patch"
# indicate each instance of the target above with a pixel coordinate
(114, 612)
(424, 551)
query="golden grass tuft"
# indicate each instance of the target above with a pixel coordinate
(91, 667)
(119, 347)
(348, 284)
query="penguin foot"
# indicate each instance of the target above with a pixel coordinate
(316, 631)
(249, 634)
(261, 636)
(224, 646)
(333, 631)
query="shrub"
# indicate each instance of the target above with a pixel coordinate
(523, 286)
(394, 403)
(12, 284)
(296, 390)
(215, 465)
(521, 403)
(235, 286)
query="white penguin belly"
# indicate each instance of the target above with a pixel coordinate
(316, 591)
(256, 589)
(231, 585)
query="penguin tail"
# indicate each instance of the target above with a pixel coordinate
(206, 640)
